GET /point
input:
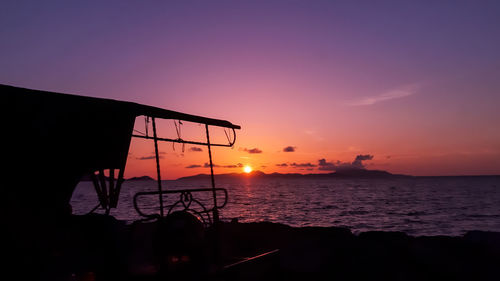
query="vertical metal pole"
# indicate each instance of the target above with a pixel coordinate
(157, 154)
(119, 182)
(216, 211)
(111, 187)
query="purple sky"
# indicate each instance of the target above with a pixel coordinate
(414, 83)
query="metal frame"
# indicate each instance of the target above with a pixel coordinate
(186, 201)
(185, 192)
(107, 194)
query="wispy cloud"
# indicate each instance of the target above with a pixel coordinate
(251, 151)
(302, 165)
(401, 92)
(147, 157)
(151, 156)
(207, 165)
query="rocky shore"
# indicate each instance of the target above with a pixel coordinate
(111, 250)
(316, 253)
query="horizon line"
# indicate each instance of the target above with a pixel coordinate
(305, 174)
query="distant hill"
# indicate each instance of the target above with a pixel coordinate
(143, 178)
(348, 173)
(363, 173)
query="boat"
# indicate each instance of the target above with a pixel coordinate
(54, 140)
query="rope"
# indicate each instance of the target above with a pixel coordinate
(179, 133)
(227, 136)
(139, 132)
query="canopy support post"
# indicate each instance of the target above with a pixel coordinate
(157, 154)
(214, 195)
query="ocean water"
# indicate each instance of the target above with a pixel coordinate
(417, 206)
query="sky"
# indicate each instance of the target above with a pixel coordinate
(409, 87)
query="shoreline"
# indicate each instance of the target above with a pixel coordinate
(333, 253)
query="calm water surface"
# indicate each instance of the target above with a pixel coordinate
(417, 206)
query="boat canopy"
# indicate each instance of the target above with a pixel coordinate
(55, 139)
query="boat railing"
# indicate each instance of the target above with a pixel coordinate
(185, 202)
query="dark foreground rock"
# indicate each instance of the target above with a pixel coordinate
(314, 253)
(97, 247)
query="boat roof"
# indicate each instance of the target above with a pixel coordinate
(52, 140)
(129, 107)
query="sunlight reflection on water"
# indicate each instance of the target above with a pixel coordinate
(417, 206)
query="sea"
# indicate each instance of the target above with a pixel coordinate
(418, 206)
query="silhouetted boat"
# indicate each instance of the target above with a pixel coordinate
(54, 140)
(51, 141)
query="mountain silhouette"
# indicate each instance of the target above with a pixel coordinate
(345, 173)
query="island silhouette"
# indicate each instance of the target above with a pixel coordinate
(344, 173)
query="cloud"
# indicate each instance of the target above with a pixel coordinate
(289, 149)
(402, 92)
(239, 165)
(356, 164)
(326, 166)
(282, 165)
(146, 157)
(253, 150)
(207, 165)
(151, 157)
(195, 149)
(363, 157)
(302, 165)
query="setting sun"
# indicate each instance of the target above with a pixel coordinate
(247, 169)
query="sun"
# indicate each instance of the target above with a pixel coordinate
(247, 169)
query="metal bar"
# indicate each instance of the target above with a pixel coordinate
(180, 190)
(111, 187)
(98, 189)
(119, 182)
(216, 212)
(104, 190)
(183, 141)
(157, 154)
(144, 193)
(173, 115)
